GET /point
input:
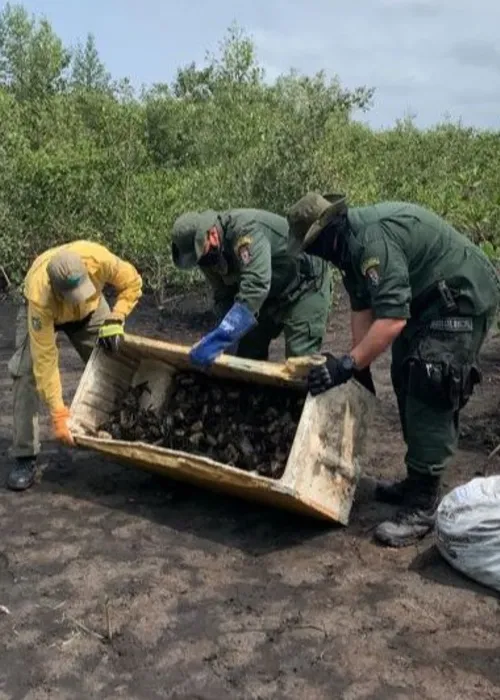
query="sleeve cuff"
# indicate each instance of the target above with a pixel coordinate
(116, 316)
(392, 311)
(253, 305)
(358, 305)
(56, 406)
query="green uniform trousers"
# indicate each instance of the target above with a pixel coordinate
(26, 403)
(303, 324)
(433, 373)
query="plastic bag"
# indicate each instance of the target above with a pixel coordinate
(468, 529)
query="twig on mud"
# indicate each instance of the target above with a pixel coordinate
(277, 630)
(495, 451)
(170, 300)
(65, 642)
(6, 277)
(356, 546)
(4, 609)
(108, 619)
(409, 605)
(74, 636)
(83, 628)
(311, 627)
(487, 466)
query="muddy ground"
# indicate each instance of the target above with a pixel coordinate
(209, 598)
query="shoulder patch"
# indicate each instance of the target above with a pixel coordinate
(36, 323)
(242, 250)
(372, 276)
(369, 262)
(369, 270)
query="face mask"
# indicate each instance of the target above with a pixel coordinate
(216, 260)
(331, 244)
(210, 259)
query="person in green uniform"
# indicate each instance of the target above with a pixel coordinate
(259, 289)
(416, 283)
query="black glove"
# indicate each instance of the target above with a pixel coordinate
(110, 335)
(364, 377)
(334, 372)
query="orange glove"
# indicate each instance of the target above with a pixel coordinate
(60, 425)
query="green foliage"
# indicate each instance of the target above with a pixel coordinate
(82, 155)
(33, 60)
(88, 71)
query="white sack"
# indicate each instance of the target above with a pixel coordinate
(468, 529)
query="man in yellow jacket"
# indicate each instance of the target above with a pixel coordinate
(63, 292)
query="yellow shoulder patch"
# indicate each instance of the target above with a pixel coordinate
(369, 262)
(242, 242)
(242, 250)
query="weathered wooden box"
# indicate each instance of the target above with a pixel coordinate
(323, 466)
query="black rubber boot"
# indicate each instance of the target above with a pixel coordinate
(392, 492)
(416, 517)
(22, 475)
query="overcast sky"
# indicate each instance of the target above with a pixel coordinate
(430, 58)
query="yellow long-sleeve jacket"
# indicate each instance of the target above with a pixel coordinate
(46, 310)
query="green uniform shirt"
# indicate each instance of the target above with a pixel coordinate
(397, 251)
(259, 269)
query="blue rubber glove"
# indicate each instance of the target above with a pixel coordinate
(235, 324)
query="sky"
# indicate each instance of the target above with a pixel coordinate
(430, 59)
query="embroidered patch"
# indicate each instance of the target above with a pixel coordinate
(36, 323)
(244, 254)
(372, 276)
(452, 325)
(366, 264)
(242, 249)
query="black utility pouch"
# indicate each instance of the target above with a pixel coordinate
(438, 370)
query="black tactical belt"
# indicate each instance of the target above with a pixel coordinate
(73, 326)
(452, 324)
(438, 293)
